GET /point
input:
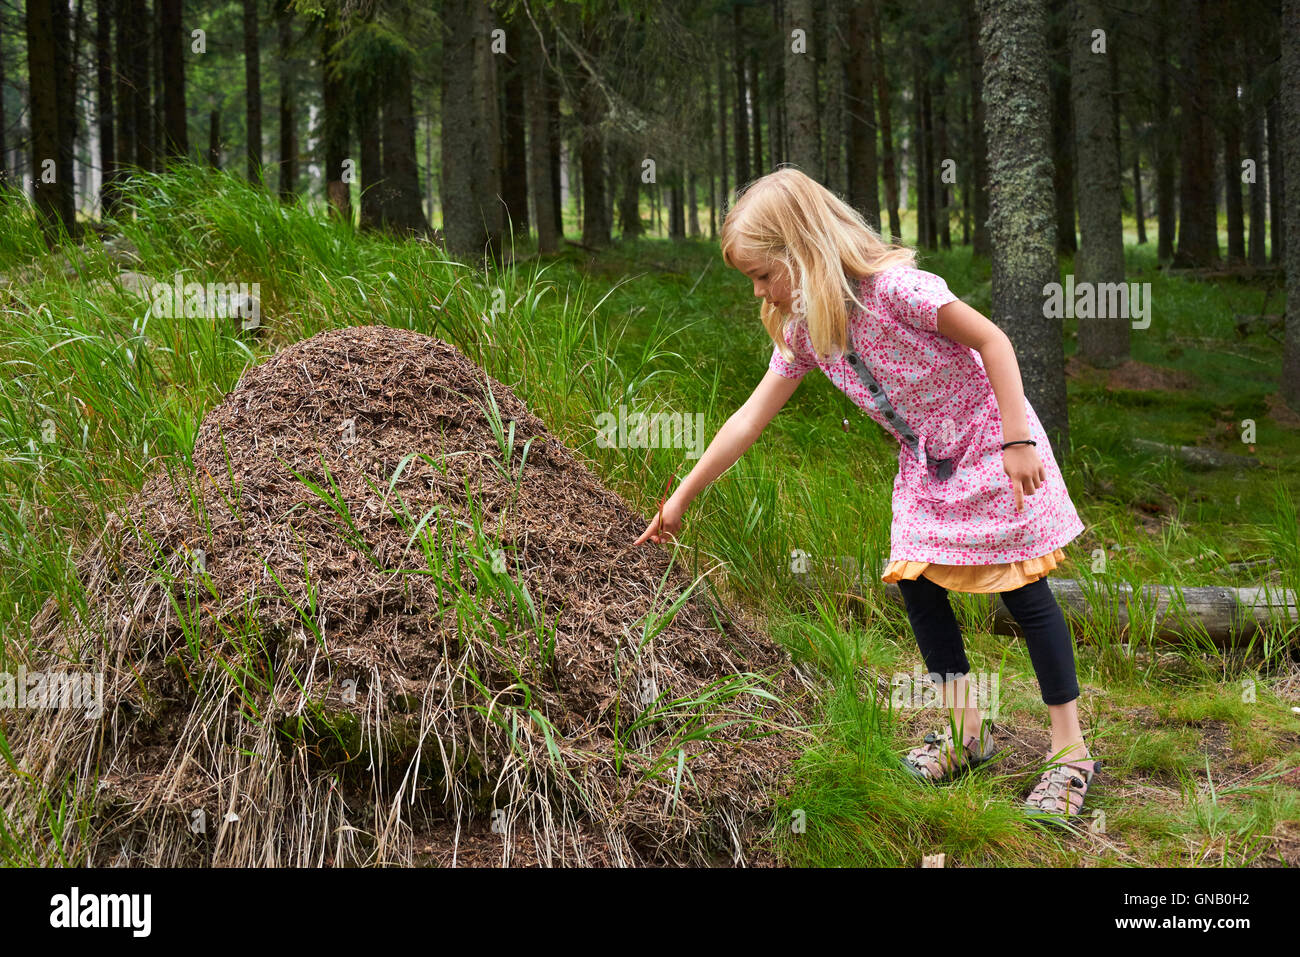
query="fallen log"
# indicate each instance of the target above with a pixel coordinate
(1198, 456)
(1228, 617)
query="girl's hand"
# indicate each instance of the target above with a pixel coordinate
(1025, 468)
(664, 526)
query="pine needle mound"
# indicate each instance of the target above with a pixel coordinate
(388, 619)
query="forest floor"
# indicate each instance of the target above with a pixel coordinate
(1200, 744)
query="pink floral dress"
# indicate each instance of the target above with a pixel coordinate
(953, 502)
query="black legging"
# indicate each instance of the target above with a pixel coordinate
(1034, 607)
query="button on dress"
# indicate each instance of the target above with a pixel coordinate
(954, 511)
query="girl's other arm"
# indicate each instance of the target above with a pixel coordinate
(736, 435)
(1022, 463)
(963, 324)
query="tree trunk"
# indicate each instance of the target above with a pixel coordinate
(141, 50)
(104, 16)
(801, 91)
(723, 167)
(839, 112)
(1115, 42)
(1198, 240)
(174, 46)
(676, 205)
(402, 205)
(919, 160)
(430, 186)
(863, 177)
(43, 107)
(780, 141)
(1255, 145)
(713, 158)
(1165, 141)
(1063, 125)
(48, 48)
(980, 240)
(472, 221)
(741, 121)
(514, 179)
(157, 114)
(553, 141)
(595, 220)
(692, 208)
(214, 139)
(1022, 220)
(69, 37)
(253, 89)
(611, 184)
(967, 169)
(1232, 125)
(1137, 120)
(370, 135)
(886, 126)
(288, 105)
(1276, 180)
(1289, 108)
(336, 129)
(538, 112)
(124, 138)
(1103, 340)
(574, 171)
(629, 202)
(756, 106)
(1139, 204)
(929, 161)
(5, 179)
(940, 176)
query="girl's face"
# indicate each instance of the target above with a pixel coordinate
(771, 279)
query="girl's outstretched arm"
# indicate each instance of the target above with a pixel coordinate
(963, 324)
(736, 435)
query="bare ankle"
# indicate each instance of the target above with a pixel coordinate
(1073, 751)
(967, 723)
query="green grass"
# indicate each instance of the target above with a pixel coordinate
(662, 326)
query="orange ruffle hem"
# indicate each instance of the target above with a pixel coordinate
(979, 579)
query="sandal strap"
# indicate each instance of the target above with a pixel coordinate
(938, 753)
(1061, 789)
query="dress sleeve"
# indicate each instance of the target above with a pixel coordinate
(785, 367)
(914, 296)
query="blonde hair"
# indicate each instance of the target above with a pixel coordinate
(824, 243)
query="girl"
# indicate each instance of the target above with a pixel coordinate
(979, 504)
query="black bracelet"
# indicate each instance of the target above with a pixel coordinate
(1018, 442)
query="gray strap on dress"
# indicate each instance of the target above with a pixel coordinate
(941, 468)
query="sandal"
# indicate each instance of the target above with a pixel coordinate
(936, 760)
(1060, 792)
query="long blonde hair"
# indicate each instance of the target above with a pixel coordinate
(824, 243)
